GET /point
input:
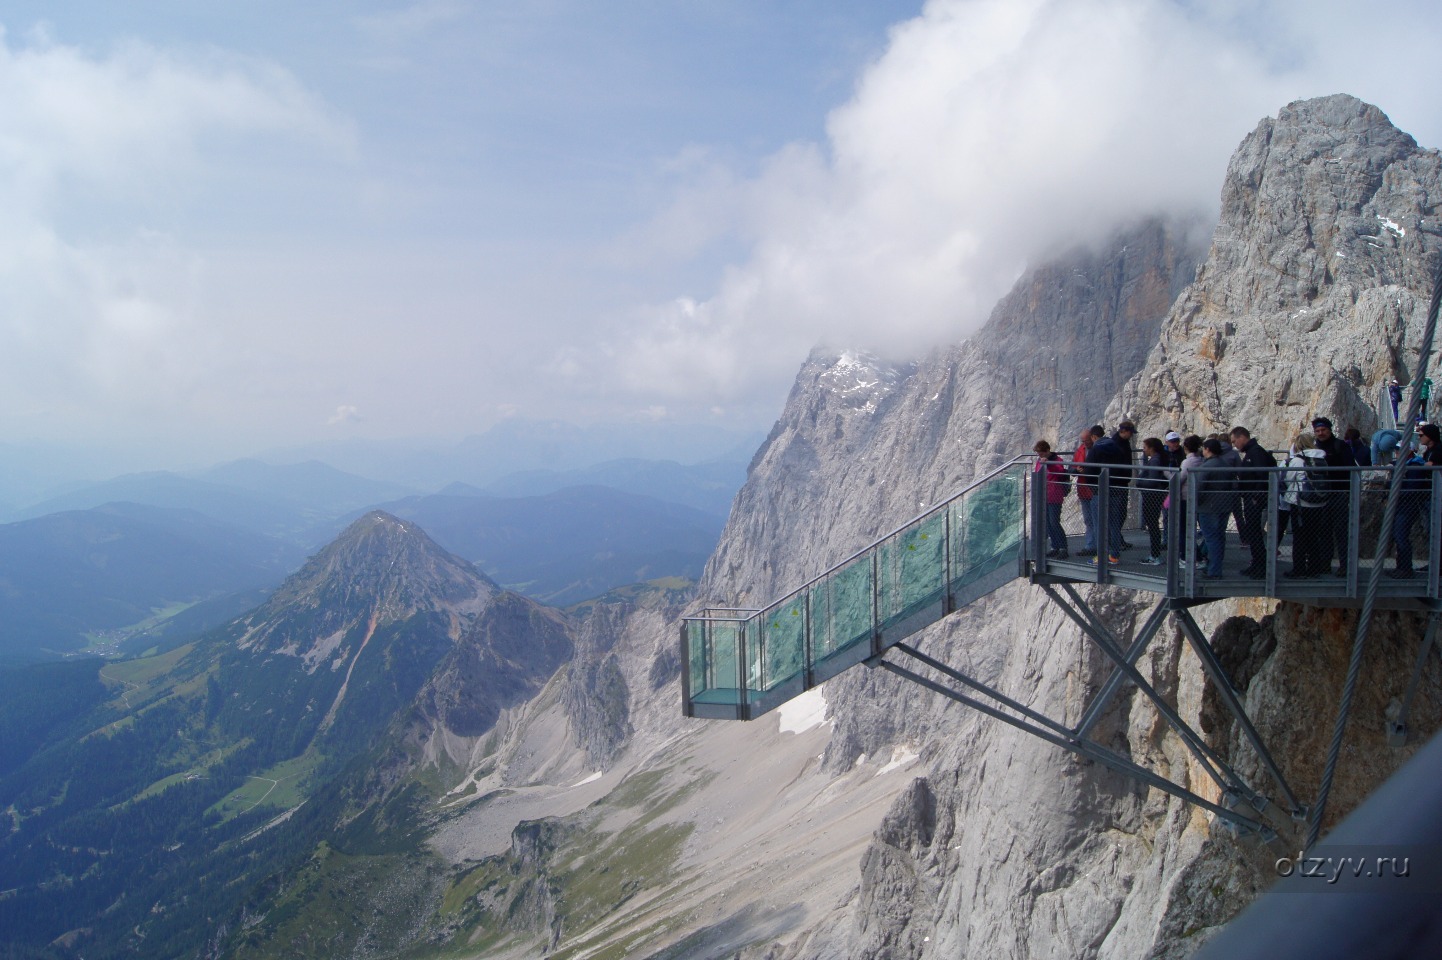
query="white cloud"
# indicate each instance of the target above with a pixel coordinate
(988, 133)
(99, 313)
(345, 413)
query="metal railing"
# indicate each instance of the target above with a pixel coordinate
(1276, 538)
(738, 664)
(1254, 535)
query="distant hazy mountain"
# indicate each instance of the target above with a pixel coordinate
(515, 446)
(572, 544)
(313, 485)
(707, 486)
(242, 508)
(287, 501)
(164, 798)
(74, 573)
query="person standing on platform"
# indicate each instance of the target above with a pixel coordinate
(1394, 393)
(1426, 395)
(1216, 499)
(1086, 493)
(1058, 485)
(1415, 496)
(1112, 455)
(1305, 502)
(1361, 452)
(1152, 482)
(1252, 488)
(1337, 511)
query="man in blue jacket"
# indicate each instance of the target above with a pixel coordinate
(1113, 454)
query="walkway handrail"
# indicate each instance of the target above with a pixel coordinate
(741, 663)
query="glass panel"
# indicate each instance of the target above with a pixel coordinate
(783, 642)
(911, 570)
(841, 608)
(722, 646)
(991, 524)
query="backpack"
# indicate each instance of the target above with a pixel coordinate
(1312, 490)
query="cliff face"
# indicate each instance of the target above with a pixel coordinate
(863, 445)
(1314, 290)
(1319, 272)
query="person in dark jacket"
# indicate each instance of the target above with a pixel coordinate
(1415, 496)
(1152, 482)
(1252, 488)
(1216, 498)
(1112, 456)
(1394, 393)
(1172, 452)
(1336, 514)
(1361, 451)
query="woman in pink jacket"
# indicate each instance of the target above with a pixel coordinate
(1058, 485)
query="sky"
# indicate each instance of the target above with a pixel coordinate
(236, 227)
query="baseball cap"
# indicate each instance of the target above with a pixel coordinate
(1172, 435)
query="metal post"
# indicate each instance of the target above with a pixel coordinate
(1103, 521)
(1273, 540)
(875, 604)
(1354, 528)
(686, 710)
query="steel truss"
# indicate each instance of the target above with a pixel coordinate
(1236, 793)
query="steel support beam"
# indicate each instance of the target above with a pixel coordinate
(1085, 748)
(1223, 683)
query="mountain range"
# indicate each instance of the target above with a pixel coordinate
(393, 756)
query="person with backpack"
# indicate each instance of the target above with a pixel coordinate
(1304, 499)
(1058, 485)
(1416, 494)
(1425, 394)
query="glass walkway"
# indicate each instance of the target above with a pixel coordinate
(741, 663)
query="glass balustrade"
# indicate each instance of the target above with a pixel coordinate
(742, 663)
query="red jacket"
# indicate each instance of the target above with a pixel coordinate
(1084, 490)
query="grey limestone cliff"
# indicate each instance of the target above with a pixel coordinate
(1312, 291)
(1318, 276)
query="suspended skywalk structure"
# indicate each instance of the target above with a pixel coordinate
(741, 663)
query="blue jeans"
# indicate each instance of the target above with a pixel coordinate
(1116, 514)
(1089, 517)
(1214, 535)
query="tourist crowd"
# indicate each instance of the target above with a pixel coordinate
(1224, 477)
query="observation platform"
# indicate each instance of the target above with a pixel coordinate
(741, 663)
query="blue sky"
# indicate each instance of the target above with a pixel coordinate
(233, 229)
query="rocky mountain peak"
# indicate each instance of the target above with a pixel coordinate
(1310, 296)
(381, 569)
